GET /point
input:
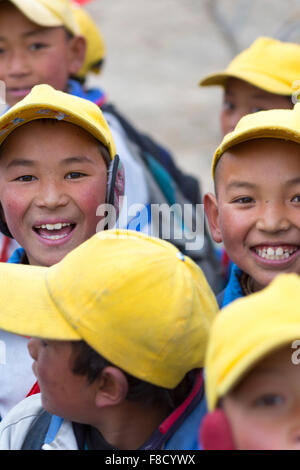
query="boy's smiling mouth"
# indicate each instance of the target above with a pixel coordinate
(279, 253)
(54, 231)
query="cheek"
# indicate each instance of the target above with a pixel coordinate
(89, 198)
(52, 70)
(14, 207)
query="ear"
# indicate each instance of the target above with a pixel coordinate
(212, 213)
(112, 389)
(76, 53)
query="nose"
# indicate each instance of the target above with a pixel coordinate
(33, 346)
(273, 218)
(17, 65)
(51, 195)
(230, 120)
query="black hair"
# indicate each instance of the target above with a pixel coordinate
(82, 80)
(86, 361)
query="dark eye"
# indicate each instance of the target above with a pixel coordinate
(243, 200)
(37, 46)
(228, 106)
(74, 175)
(26, 178)
(296, 198)
(257, 109)
(269, 400)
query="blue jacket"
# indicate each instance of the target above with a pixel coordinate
(233, 289)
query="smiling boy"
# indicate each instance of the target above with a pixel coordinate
(256, 206)
(56, 155)
(49, 198)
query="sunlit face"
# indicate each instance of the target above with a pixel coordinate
(256, 213)
(264, 410)
(50, 188)
(32, 55)
(241, 98)
(63, 393)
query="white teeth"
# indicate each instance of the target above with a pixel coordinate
(53, 237)
(275, 254)
(57, 226)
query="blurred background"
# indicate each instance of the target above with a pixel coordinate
(157, 51)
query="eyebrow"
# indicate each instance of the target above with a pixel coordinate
(35, 32)
(66, 161)
(293, 181)
(240, 185)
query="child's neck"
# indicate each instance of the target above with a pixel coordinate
(249, 285)
(130, 426)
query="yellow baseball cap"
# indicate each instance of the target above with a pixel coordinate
(247, 330)
(48, 13)
(268, 64)
(45, 102)
(274, 123)
(95, 46)
(134, 299)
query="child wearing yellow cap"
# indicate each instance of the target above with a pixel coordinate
(252, 372)
(255, 208)
(56, 42)
(57, 161)
(263, 76)
(130, 365)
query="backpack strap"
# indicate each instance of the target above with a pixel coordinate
(37, 432)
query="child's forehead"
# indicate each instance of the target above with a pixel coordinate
(257, 154)
(48, 130)
(275, 364)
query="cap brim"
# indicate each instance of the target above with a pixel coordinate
(39, 14)
(278, 133)
(256, 79)
(26, 307)
(26, 113)
(245, 365)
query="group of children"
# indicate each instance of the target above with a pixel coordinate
(113, 339)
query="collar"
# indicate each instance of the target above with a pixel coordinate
(96, 95)
(233, 290)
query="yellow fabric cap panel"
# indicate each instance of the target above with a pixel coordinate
(45, 102)
(268, 64)
(136, 300)
(247, 330)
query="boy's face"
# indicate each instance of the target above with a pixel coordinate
(58, 179)
(264, 410)
(256, 212)
(63, 393)
(241, 98)
(32, 55)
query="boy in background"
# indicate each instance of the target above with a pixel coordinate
(122, 322)
(252, 372)
(261, 77)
